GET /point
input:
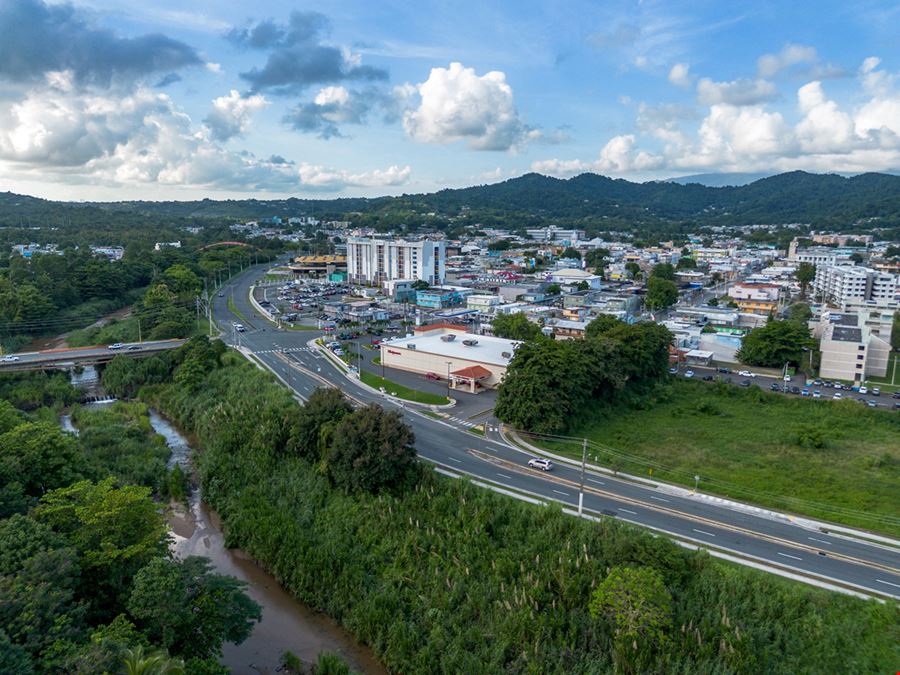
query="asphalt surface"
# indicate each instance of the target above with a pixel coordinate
(31, 360)
(774, 542)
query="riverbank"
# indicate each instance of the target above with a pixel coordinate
(287, 624)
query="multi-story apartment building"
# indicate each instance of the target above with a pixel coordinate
(554, 233)
(850, 351)
(755, 298)
(374, 260)
(842, 284)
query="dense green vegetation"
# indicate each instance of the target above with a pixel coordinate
(86, 582)
(550, 384)
(424, 573)
(776, 343)
(836, 460)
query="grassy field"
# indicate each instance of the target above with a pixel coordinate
(892, 380)
(838, 461)
(400, 391)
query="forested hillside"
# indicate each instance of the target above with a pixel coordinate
(822, 200)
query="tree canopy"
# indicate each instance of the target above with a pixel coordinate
(661, 293)
(776, 343)
(515, 327)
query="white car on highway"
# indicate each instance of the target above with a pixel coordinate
(9, 358)
(540, 463)
(115, 345)
(746, 373)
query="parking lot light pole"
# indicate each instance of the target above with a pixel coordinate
(448, 378)
(581, 489)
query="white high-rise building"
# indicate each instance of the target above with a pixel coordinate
(841, 284)
(374, 260)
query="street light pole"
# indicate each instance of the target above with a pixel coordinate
(696, 483)
(448, 378)
(581, 488)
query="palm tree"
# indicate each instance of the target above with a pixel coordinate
(155, 663)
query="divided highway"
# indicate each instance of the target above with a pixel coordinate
(83, 355)
(853, 564)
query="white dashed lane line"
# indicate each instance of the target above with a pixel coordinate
(788, 555)
(708, 534)
(560, 492)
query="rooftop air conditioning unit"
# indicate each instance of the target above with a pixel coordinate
(506, 355)
(448, 338)
(470, 343)
(411, 346)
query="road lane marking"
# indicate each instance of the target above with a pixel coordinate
(708, 534)
(459, 461)
(882, 581)
(598, 482)
(659, 499)
(634, 513)
(503, 475)
(788, 555)
(821, 541)
(560, 492)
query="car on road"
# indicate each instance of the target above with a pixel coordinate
(673, 370)
(863, 390)
(115, 345)
(775, 386)
(708, 378)
(133, 348)
(875, 391)
(745, 383)
(837, 396)
(746, 373)
(727, 371)
(817, 382)
(896, 394)
(804, 392)
(239, 327)
(794, 390)
(540, 463)
(817, 394)
(689, 373)
(221, 295)
(872, 404)
(9, 358)
(432, 376)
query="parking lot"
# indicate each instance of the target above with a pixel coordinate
(797, 386)
(298, 301)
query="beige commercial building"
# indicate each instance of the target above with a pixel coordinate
(850, 351)
(471, 362)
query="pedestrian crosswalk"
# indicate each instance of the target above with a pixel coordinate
(463, 422)
(287, 350)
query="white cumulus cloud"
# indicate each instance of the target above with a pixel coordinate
(736, 92)
(323, 178)
(769, 65)
(230, 115)
(457, 104)
(680, 75)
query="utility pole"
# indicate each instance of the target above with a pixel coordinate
(197, 307)
(581, 489)
(139, 329)
(448, 378)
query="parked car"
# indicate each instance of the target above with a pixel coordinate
(673, 370)
(9, 358)
(872, 404)
(727, 371)
(708, 378)
(774, 387)
(133, 348)
(432, 376)
(795, 390)
(863, 390)
(540, 463)
(746, 373)
(837, 396)
(817, 394)
(876, 391)
(745, 383)
(115, 345)
(896, 394)
(817, 382)
(689, 373)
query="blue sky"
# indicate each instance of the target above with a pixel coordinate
(119, 99)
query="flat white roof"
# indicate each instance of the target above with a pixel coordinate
(488, 350)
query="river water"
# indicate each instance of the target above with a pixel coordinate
(286, 623)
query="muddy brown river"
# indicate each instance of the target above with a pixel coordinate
(286, 624)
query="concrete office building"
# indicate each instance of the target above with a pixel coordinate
(375, 260)
(850, 351)
(842, 284)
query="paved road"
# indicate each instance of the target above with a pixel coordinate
(774, 542)
(34, 360)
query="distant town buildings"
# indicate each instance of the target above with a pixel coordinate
(160, 245)
(374, 260)
(28, 250)
(111, 252)
(755, 298)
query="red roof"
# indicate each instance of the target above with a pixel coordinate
(472, 372)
